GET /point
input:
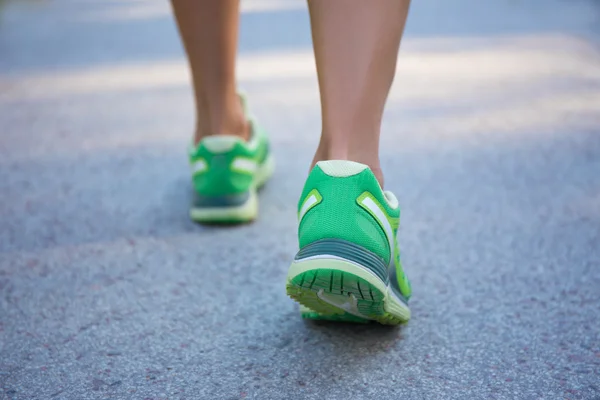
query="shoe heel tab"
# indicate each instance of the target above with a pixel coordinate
(341, 168)
(220, 143)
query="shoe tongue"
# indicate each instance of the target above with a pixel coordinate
(220, 143)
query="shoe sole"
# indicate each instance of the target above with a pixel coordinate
(342, 290)
(307, 313)
(246, 212)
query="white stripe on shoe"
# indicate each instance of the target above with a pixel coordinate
(199, 166)
(381, 217)
(311, 201)
(241, 164)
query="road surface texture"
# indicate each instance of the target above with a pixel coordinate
(491, 141)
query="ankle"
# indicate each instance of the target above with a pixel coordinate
(240, 129)
(222, 118)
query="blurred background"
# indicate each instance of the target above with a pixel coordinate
(491, 141)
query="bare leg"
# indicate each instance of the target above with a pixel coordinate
(356, 45)
(209, 30)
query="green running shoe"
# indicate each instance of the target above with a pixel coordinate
(226, 173)
(348, 266)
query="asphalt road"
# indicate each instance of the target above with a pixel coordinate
(491, 141)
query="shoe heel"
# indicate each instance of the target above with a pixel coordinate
(334, 286)
(219, 211)
(335, 278)
(338, 248)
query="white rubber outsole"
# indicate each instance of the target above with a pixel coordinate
(315, 283)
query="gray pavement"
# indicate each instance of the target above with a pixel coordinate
(491, 142)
